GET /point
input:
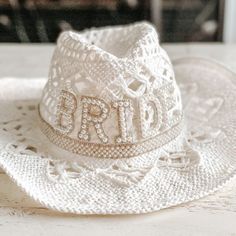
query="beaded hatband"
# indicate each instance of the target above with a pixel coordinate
(114, 151)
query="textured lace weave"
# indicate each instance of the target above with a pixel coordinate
(142, 184)
(92, 64)
(191, 165)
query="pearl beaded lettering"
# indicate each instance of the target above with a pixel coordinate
(65, 112)
(95, 111)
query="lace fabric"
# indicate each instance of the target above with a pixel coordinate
(193, 163)
(137, 101)
(142, 184)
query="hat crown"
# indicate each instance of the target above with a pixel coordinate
(111, 86)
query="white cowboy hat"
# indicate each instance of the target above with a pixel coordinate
(111, 134)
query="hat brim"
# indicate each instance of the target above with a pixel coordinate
(84, 185)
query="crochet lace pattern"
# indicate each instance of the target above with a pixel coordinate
(109, 133)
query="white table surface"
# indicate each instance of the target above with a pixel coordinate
(19, 215)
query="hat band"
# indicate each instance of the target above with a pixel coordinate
(114, 151)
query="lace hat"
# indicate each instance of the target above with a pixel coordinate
(111, 133)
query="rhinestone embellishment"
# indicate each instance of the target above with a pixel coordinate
(135, 126)
(114, 151)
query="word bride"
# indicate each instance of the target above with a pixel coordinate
(95, 112)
